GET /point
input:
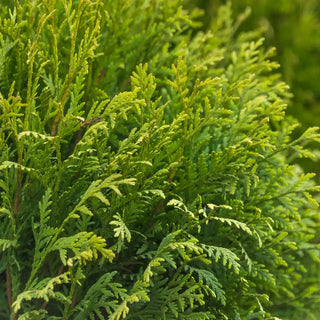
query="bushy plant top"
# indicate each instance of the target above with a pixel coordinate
(144, 168)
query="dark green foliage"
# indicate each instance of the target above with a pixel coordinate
(144, 168)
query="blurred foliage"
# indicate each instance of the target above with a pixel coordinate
(293, 27)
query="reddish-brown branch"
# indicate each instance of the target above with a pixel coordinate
(159, 207)
(101, 75)
(157, 210)
(83, 126)
(9, 292)
(54, 127)
(88, 123)
(74, 301)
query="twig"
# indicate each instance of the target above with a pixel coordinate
(85, 124)
(73, 302)
(54, 127)
(9, 292)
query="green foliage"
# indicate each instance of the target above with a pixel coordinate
(144, 168)
(294, 29)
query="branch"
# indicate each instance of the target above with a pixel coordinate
(9, 292)
(83, 126)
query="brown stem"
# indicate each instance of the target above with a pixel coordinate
(83, 126)
(74, 301)
(159, 207)
(88, 123)
(101, 75)
(54, 127)
(9, 292)
(157, 210)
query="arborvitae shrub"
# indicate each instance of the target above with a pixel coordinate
(145, 168)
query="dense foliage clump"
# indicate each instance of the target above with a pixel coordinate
(145, 168)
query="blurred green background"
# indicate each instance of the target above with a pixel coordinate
(293, 27)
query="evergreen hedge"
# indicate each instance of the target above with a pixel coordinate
(145, 168)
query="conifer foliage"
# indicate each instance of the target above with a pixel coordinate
(144, 168)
